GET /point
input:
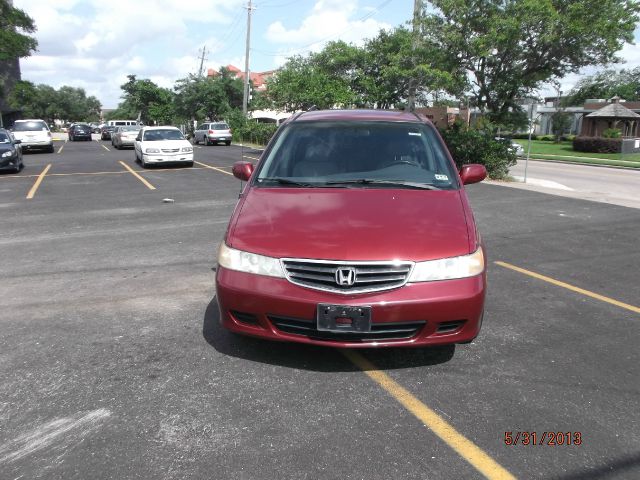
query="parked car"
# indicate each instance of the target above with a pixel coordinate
(155, 145)
(10, 152)
(354, 230)
(33, 134)
(79, 131)
(212, 133)
(106, 131)
(124, 136)
(515, 147)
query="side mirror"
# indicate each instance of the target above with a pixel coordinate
(472, 173)
(242, 170)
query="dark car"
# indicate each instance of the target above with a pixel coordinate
(10, 152)
(80, 131)
(354, 230)
(106, 131)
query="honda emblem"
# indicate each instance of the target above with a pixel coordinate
(346, 276)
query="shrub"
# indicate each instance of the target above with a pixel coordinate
(597, 145)
(249, 130)
(476, 146)
(568, 138)
(612, 133)
(524, 136)
(547, 138)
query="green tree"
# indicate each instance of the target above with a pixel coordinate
(198, 98)
(13, 43)
(145, 98)
(560, 124)
(512, 47)
(606, 84)
(72, 104)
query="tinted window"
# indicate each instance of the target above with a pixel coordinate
(4, 138)
(219, 126)
(320, 152)
(130, 128)
(30, 126)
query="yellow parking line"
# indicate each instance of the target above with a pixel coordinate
(34, 189)
(213, 168)
(60, 149)
(434, 422)
(135, 174)
(105, 147)
(582, 291)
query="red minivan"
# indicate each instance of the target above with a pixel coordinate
(354, 230)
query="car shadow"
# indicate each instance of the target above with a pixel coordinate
(312, 357)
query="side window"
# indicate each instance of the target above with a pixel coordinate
(201, 127)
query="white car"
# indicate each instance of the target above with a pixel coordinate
(124, 136)
(213, 133)
(33, 134)
(515, 147)
(155, 145)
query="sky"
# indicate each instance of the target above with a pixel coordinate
(95, 44)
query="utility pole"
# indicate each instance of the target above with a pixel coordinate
(411, 98)
(245, 94)
(201, 70)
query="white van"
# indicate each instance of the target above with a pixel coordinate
(120, 123)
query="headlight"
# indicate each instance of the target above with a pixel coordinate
(152, 150)
(187, 149)
(249, 262)
(8, 153)
(449, 268)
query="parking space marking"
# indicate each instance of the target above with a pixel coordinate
(573, 288)
(213, 168)
(252, 158)
(34, 189)
(434, 422)
(135, 174)
(105, 147)
(61, 147)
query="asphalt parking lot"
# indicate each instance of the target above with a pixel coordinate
(114, 366)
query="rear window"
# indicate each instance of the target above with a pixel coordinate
(362, 154)
(219, 126)
(36, 125)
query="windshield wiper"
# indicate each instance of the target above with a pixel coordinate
(286, 181)
(373, 181)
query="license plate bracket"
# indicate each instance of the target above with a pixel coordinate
(343, 318)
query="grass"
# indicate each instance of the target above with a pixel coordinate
(564, 152)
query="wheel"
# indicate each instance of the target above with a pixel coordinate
(50, 149)
(143, 163)
(188, 164)
(206, 141)
(195, 140)
(227, 143)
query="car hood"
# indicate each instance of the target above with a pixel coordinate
(6, 147)
(350, 224)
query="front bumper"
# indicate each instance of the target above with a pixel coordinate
(173, 158)
(428, 313)
(9, 163)
(36, 144)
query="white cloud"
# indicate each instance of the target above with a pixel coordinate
(328, 20)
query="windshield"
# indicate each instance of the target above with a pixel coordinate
(156, 135)
(4, 138)
(29, 126)
(131, 128)
(358, 155)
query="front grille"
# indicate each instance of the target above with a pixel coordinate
(367, 276)
(170, 150)
(379, 331)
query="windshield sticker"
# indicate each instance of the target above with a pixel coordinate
(415, 134)
(442, 177)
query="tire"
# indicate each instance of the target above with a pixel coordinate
(49, 150)
(188, 164)
(228, 143)
(206, 141)
(143, 163)
(195, 140)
